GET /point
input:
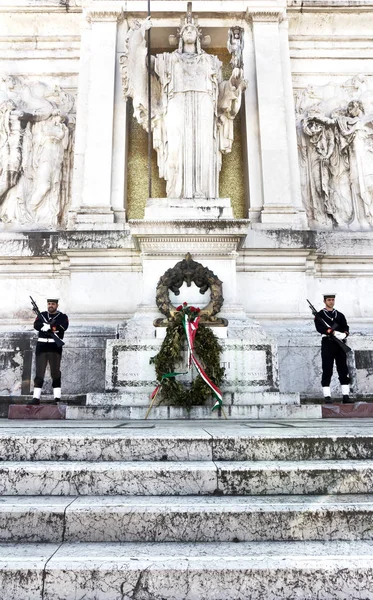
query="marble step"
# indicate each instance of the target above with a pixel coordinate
(254, 411)
(189, 571)
(144, 441)
(313, 399)
(237, 398)
(169, 478)
(185, 519)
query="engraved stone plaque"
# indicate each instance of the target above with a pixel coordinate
(247, 366)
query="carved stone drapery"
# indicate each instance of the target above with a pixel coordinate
(36, 147)
(335, 140)
(190, 271)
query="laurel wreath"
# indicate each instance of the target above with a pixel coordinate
(208, 350)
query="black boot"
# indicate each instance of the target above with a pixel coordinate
(33, 402)
(328, 400)
(347, 400)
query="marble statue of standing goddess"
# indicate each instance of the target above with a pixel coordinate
(192, 109)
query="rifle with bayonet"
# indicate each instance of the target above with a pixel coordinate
(332, 328)
(58, 340)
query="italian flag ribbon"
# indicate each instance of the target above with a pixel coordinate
(190, 328)
(164, 376)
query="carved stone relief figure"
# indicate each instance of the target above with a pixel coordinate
(336, 155)
(192, 108)
(43, 169)
(355, 132)
(10, 145)
(328, 181)
(36, 133)
(320, 148)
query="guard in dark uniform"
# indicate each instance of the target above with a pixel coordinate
(330, 350)
(47, 351)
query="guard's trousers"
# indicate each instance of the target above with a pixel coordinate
(42, 359)
(330, 352)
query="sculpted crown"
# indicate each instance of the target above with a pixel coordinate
(189, 19)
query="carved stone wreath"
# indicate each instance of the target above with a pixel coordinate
(189, 271)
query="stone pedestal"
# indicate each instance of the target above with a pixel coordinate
(170, 209)
(250, 388)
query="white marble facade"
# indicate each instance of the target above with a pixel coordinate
(307, 116)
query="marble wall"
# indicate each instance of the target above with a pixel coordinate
(70, 179)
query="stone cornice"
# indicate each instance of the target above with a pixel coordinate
(330, 5)
(265, 16)
(50, 6)
(176, 238)
(94, 16)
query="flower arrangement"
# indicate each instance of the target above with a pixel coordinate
(191, 311)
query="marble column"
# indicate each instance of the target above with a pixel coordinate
(280, 207)
(290, 118)
(95, 209)
(81, 123)
(120, 141)
(251, 123)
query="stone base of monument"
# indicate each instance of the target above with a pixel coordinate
(170, 209)
(126, 410)
(250, 387)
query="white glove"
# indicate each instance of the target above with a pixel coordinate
(340, 335)
(45, 327)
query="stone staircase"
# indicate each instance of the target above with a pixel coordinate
(243, 510)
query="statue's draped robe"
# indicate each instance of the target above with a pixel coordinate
(192, 114)
(355, 139)
(328, 182)
(185, 133)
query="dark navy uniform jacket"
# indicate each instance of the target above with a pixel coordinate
(330, 317)
(58, 322)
